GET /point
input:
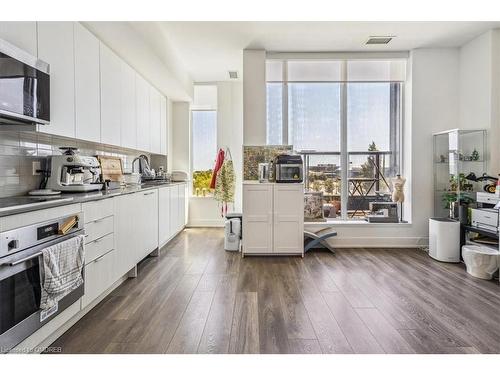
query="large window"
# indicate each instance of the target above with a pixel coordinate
(344, 117)
(204, 148)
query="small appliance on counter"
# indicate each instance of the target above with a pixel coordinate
(289, 168)
(141, 165)
(74, 173)
(148, 174)
(264, 169)
(179, 176)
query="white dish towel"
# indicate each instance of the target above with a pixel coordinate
(61, 271)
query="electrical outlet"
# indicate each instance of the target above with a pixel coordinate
(36, 165)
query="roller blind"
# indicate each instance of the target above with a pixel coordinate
(358, 70)
(376, 71)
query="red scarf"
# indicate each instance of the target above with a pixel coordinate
(218, 164)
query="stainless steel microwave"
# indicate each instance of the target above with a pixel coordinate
(24, 87)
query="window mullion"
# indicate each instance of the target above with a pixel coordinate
(344, 155)
(284, 101)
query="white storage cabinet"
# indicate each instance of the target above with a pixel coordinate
(273, 219)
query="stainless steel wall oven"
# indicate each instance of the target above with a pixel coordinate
(20, 283)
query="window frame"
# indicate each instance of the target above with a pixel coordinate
(191, 148)
(398, 115)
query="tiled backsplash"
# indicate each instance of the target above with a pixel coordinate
(253, 155)
(19, 149)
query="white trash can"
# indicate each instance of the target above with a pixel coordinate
(481, 261)
(232, 234)
(444, 239)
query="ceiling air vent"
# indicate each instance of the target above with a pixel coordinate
(379, 39)
(233, 74)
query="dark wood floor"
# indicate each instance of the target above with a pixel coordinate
(197, 298)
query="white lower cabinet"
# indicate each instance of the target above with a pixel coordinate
(99, 276)
(288, 213)
(174, 223)
(126, 232)
(164, 232)
(257, 218)
(146, 219)
(100, 270)
(273, 218)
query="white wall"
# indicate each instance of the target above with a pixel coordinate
(254, 97)
(479, 90)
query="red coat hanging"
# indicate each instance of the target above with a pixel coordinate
(218, 164)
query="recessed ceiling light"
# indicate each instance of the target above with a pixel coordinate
(233, 74)
(379, 39)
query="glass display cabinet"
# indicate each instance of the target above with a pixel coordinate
(460, 158)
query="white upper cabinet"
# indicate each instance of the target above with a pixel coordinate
(155, 120)
(87, 92)
(128, 107)
(111, 78)
(56, 47)
(20, 34)
(163, 126)
(142, 107)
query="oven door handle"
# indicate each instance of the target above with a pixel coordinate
(12, 264)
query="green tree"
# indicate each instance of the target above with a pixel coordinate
(329, 186)
(201, 180)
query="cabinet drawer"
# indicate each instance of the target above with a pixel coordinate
(98, 247)
(97, 210)
(98, 228)
(98, 277)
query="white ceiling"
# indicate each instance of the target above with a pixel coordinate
(208, 50)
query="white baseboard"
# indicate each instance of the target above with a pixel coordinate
(379, 242)
(205, 223)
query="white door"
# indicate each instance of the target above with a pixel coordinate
(163, 126)
(56, 47)
(87, 92)
(142, 107)
(127, 234)
(163, 215)
(111, 77)
(155, 120)
(174, 209)
(128, 107)
(22, 34)
(288, 218)
(257, 218)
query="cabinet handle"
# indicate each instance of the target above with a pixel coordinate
(102, 256)
(149, 193)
